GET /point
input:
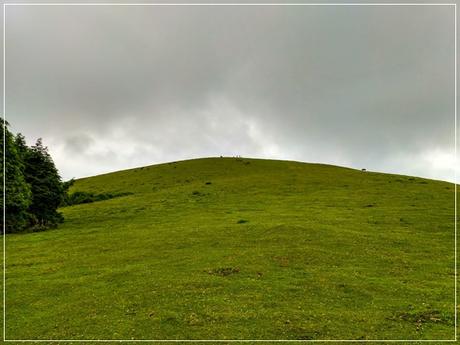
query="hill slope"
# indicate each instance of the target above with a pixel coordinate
(240, 249)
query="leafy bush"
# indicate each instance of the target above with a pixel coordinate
(77, 198)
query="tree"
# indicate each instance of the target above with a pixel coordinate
(21, 148)
(48, 191)
(34, 189)
(17, 192)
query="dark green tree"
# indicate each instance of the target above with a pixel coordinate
(21, 148)
(17, 192)
(48, 191)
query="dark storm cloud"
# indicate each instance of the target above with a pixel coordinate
(115, 87)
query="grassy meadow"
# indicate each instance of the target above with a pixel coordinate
(231, 248)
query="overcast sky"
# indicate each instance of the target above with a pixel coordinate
(111, 88)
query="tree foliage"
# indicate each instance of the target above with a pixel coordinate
(16, 198)
(34, 189)
(46, 185)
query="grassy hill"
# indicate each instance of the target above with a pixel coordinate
(226, 248)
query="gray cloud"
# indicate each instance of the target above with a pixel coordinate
(116, 87)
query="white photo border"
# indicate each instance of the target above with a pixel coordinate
(454, 5)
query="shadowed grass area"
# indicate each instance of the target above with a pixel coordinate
(225, 248)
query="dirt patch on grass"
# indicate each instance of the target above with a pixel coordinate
(223, 271)
(420, 318)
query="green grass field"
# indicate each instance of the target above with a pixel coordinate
(226, 248)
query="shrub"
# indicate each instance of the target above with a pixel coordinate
(78, 197)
